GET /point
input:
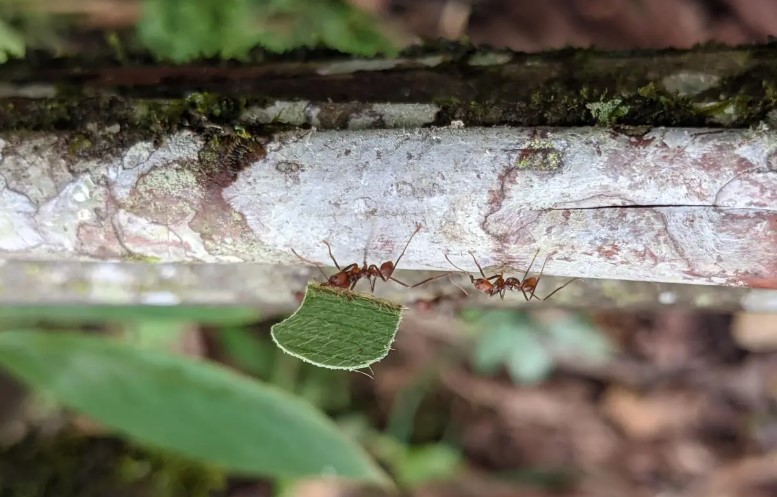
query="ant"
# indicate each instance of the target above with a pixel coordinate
(348, 276)
(500, 285)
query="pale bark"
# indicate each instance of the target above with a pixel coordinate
(672, 206)
(675, 205)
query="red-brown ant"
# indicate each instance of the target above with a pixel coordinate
(500, 285)
(348, 276)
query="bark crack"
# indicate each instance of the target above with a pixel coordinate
(658, 206)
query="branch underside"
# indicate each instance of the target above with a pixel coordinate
(275, 290)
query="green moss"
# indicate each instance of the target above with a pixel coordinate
(540, 155)
(69, 465)
(218, 108)
(725, 111)
(608, 112)
(227, 153)
(79, 144)
(148, 259)
(530, 90)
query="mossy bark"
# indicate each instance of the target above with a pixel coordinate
(708, 86)
(153, 153)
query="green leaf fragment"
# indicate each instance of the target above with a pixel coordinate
(190, 407)
(339, 329)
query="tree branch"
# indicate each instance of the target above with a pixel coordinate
(672, 206)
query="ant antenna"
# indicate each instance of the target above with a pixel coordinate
(539, 278)
(417, 229)
(457, 286)
(311, 262)
(559, 288)
(329, 247)
(531, 264)
(454, 265)
(478, 265)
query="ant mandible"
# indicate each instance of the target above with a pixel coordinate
(501, 284)
(348, 276)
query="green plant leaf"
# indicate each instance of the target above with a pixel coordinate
(420, 465)
(181, 30)
(159, 334)
(248, 352)
(529, 361)
(191, 407)
(339, 329)
(576, 336)
(493, 349)
(25, 315)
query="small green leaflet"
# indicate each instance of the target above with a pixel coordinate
(338, 329)
(191, 407)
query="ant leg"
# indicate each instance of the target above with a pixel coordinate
(457, 286)
(427, 280)
(557, 289)
(478, 265)
(539, 278)
(531, 264)
(417, 229)
(332, 256)
(313, 263)
(454, 265)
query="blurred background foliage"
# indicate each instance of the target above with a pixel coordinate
(238, 339)
(183, 30)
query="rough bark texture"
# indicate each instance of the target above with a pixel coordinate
(706, 212)
(158, 181)
(710, 86)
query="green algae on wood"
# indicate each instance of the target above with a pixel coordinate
(707, 86)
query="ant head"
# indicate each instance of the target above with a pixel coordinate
(529, 284)
(483, 285)
(339, 280)
(387, 269)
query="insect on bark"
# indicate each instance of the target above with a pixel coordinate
(499, 285)
(350, 275)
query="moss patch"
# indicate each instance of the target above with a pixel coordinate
(608, 112)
